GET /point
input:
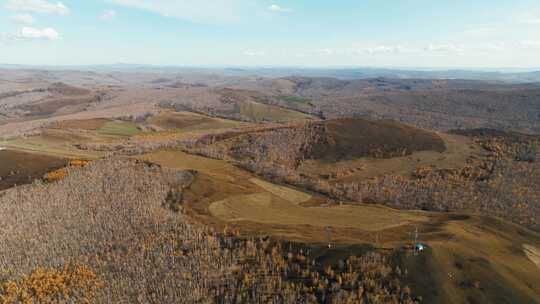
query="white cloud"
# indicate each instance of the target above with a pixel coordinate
(37, 6)
(495, 46)
(481, 30)
(278, 9)
(23, 18)
(531, 44)
(30, 33)
(453, 48)
(380, 49)
(383, 49)
(253, 53)
(530, 21)
(326, 52)
(108, 15)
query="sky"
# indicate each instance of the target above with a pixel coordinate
(301, 33)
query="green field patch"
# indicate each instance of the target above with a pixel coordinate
(119, 128)
(295, 99)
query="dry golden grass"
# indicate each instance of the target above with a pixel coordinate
(291, 195)
(230, 195)
(482, 260)
(533, 254)
(184, 161)
(265, 208)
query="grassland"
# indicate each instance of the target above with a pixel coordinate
(294, 100)
(187, 122)
(58, 143)
(81, 124)
(533, 254)
(119, 128)
(482, 261)
(225, 195)
(293, 196)
(265, 208)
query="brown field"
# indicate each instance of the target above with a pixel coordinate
(61, 105)
(353, 138)
(188, 121)
(18, 168)
(82, 124)
(177, 120)
(458, 150)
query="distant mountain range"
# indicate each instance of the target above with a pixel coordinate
(495, 75)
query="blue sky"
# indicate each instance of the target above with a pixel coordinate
(392, 33)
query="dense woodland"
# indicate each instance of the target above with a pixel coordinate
(105, 232)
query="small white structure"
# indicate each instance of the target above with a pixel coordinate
(2, 148)
(419, 247)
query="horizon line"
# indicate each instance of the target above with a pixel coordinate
(277, 67)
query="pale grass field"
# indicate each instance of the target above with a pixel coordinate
(266, 208)
(288, 194)
(270, 203)
(533, 253)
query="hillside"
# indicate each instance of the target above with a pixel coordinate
(158, 186)
(327, 141)
(355, 138)
(396, 165)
